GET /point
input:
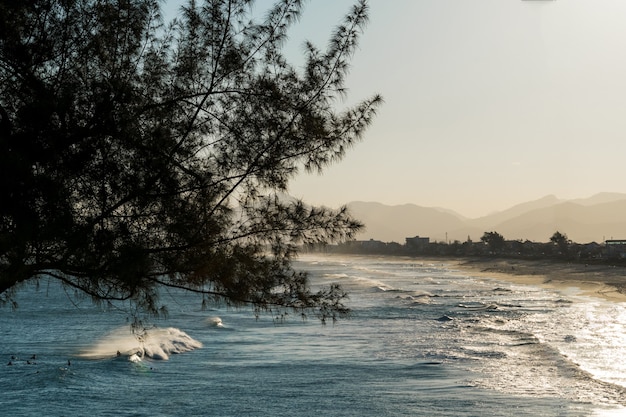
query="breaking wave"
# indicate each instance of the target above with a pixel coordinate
(155, 343)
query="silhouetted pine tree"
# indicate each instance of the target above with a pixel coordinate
(137, 153)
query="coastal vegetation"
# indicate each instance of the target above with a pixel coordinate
(138, 153)
(492, 245)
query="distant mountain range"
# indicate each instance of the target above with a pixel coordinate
(593, 219)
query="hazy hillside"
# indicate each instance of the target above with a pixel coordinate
(580, 223)
(596, 218)
(600, 198)
(395, 223)
(515, 211)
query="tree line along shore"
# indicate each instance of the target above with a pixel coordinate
(491, 245)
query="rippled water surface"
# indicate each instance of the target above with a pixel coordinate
(423, 340)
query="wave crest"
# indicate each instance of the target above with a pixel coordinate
(154, 343)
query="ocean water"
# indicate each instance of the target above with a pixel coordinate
(423, 340)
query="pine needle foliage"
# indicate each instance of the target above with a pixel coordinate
(137, 153)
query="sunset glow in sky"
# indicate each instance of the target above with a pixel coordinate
(488, 103)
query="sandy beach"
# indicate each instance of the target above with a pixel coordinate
(606, 281)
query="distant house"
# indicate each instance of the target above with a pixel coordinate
(417, 242)
(616, 242)
(615, 248)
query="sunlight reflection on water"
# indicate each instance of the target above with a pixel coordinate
(598, 339)
(609, 413)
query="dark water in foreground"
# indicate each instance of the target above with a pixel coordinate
(423, 340)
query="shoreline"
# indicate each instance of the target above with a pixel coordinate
(603, 281)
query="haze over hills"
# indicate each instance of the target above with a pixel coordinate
(593, 219)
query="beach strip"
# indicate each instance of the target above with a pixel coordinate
(605, 281)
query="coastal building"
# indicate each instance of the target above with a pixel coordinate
(417, 242)
(615, 248)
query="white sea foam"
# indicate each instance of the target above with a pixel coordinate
(154, 343)
(214, 322)
(335, 276)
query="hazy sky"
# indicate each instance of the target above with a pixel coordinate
(488, 103)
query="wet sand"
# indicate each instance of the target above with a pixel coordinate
(606, 281)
